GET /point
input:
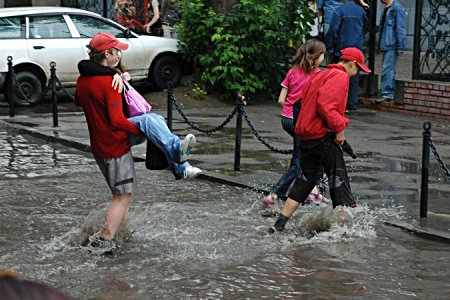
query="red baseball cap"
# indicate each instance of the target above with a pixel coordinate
(354, 54)
(104, 41)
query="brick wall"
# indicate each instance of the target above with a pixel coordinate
(418, 98)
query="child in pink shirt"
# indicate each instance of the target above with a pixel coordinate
(305, 64)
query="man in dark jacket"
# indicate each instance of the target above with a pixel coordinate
(347, 30)
(320, 128)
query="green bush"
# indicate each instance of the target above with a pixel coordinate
(248, 49)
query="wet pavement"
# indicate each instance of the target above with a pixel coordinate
(198, 239)
(204, 239)
(388, 145)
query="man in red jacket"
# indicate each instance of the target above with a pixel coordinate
(320, 128)
(108, 132)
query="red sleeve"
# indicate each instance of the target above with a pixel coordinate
(332, 100)
(115, 113)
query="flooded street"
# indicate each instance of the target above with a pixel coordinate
(202, 240)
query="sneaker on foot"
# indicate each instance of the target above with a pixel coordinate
(186, 146)
(102, 246)
(316, 198)
(270, 199)
(190, 172)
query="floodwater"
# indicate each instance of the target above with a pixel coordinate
(200, 240)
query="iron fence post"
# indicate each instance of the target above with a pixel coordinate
(425, 166)
(54, 100)
(417, 33)
(372, 82)
(11, 87)
(169, 104)
(237, 150)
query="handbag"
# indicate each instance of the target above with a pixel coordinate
(136, 104)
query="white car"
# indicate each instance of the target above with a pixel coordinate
(36, 36)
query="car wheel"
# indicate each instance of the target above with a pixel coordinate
(31, 89)
(165, 69)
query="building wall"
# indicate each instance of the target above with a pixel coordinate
(419, 98)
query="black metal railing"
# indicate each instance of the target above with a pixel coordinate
(431, 58)
(238, 110)
(16, 93)
(427, 145)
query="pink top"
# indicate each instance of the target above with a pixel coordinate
(295, 81)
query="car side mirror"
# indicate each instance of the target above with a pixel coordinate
(127, 33)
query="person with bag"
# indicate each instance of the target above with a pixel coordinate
(321, 130)
(176, 152)
(109, 132)
(305, 64)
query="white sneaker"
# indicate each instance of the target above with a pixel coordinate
(190, 172)
(186, 146)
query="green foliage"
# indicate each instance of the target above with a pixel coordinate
(248, 49)
(199, 90)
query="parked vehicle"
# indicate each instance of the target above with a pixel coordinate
(36, 36)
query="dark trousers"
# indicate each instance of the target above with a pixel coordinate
(282, 186)
(323, 152)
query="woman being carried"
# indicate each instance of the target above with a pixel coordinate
(152, 125)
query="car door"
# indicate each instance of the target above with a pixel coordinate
(12, 41)
(88, 26)
(51, 40)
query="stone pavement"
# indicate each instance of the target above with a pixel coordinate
(386, 172)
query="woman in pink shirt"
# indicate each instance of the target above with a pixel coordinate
(305, 64)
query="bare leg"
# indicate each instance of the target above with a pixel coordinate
(289, 207)
(116, 215)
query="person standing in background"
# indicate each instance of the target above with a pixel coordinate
(346, 31)
(392, 45)
(141, 16)
(328, 7)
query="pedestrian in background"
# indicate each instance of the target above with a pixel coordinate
(347, 31)
(320, 128)
(328, 7)
(141, 16)
(305, 64)
(392, 45)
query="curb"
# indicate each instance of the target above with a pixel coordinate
(205, 175)
(430, 234)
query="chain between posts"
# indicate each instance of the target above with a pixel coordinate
(195, 126)
(260, 138)
(16, 87)
(227, 120)
(438, 158)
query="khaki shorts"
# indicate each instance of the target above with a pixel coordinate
(119, 173)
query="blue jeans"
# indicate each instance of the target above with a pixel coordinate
(353, 92)
(155, 129)
(388, 73)
(281, 187)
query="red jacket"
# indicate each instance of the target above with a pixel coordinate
(102, 106)
(324, 99)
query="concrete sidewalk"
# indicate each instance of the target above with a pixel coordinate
(387, 171)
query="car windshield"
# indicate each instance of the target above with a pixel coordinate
(89, 26)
